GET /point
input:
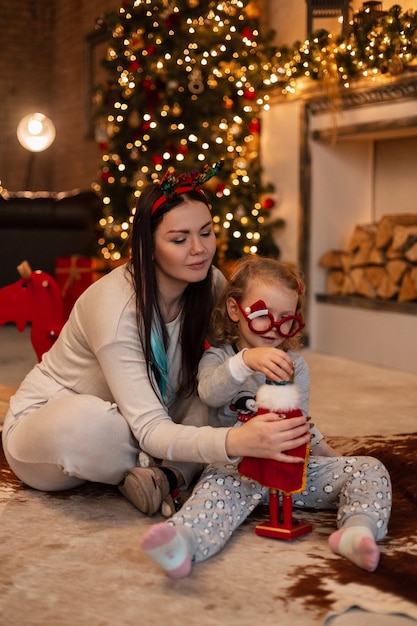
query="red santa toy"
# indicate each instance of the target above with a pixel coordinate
(284, 478)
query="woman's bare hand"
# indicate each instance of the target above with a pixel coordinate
(268, 437)
(273, 362)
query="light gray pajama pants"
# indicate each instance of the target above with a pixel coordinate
(222, 499)
(72, 439)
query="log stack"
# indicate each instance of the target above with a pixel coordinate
(380, 261)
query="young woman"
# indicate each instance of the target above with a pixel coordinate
(256, 329)
(121, 377)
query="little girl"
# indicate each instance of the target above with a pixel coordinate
(255, 330)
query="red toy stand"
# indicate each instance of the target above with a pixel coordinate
(288, 528)
(284, 478)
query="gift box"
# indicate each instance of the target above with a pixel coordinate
(75, 273)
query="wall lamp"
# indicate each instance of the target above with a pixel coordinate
(36, 133)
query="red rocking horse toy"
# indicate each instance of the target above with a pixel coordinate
(34, 299)
(287, 478)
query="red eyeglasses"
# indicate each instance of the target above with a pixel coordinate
(261, 321)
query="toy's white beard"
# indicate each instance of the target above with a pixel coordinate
(277, 397)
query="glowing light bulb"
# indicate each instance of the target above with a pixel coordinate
(36, 132)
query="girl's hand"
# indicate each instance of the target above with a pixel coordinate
(268, 437)
(273, 362)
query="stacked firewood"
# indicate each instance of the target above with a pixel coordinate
(380, 261)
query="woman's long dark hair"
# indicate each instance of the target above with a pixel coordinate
(197, 300)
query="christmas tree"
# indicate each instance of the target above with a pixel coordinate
(188, 80)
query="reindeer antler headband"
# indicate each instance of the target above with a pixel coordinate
(172, 185)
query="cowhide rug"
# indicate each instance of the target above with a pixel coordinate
(397, 571)
(84, 544)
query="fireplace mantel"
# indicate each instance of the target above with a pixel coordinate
(350, 116)
(365, 92)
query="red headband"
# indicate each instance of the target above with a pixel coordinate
(175, 192)
(172, 185)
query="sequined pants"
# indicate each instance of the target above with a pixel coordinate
(223, 498)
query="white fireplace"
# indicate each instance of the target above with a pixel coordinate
(355, 163)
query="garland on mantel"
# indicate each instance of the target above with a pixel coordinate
(375, 43)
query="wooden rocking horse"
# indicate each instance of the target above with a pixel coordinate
(34, 299)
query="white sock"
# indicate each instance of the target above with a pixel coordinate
(357, 544)
(165, 545)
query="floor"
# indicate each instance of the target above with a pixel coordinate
(75, 560)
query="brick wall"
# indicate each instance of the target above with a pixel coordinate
(77, 155)
(43, 65)
(26, 79)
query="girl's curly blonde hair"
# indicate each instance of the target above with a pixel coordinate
(247, 271)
